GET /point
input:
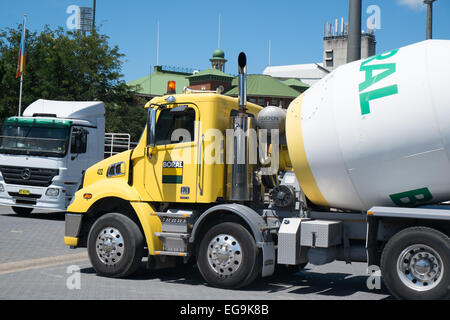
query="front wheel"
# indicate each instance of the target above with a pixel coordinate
(415, 264)
(228, 256)
(115, 246)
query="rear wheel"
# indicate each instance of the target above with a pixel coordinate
(228, 256)
(22, 211)
(415, 264)
(115, 246)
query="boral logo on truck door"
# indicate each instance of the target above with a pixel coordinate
(173, 172)
(383, 70)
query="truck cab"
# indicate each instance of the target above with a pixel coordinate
(178, 171)
(44, 153)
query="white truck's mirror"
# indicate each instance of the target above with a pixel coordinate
(79, 141)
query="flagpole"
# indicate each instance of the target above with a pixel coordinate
(20, 95)
(21, 74)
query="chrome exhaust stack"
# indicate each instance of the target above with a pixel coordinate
(242, 67)
(239, 182)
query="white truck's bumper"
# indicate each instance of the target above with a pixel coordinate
(33, 197)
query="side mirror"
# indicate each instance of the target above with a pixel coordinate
(78, 144)
(151, 128)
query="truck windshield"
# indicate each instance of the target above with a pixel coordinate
(35, 137)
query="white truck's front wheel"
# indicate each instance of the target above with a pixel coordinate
(115, 246)
(415, 264)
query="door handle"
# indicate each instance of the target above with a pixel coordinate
(200, 163)
(150, 152)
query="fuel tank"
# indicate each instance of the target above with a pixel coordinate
(376, 132)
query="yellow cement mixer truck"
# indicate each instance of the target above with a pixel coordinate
(357, 169)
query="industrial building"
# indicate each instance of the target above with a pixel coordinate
(335, 42)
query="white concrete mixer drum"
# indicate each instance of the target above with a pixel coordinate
(376, 132)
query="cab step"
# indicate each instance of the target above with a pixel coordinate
(172, 253)
(182, 214)
(173, 242)
(176, 221)
(172, 235)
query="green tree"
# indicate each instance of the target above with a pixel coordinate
(70, 67)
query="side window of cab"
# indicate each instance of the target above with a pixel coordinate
(175, 127)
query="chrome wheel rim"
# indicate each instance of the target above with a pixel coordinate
(420, 267)
(109, 246)
(224, 255)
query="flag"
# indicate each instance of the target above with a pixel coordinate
(22, 55)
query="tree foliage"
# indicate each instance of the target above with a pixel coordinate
(70, 67)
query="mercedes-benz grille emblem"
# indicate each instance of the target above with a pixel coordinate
(26, 174)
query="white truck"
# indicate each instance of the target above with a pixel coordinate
(44, 153)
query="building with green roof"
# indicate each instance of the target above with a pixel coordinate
(265, 90)
(296, 84)
(210, 80)
(155, 85)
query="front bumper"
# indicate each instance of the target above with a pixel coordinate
(35, 197)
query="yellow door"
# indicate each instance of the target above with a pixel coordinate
(171, 170)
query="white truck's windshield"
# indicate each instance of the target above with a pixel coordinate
(35, 137)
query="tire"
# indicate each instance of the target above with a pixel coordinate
(239, 262)
(22, 211)
(115, 246)
(415, 264)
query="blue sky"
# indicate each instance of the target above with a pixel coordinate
(189, 29)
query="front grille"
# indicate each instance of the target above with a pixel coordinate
(24, 196)
(23, 201)
(38, 177)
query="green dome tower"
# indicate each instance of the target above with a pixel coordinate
(218, 60)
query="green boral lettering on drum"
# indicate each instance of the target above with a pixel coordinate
(383, 70)
(412, 198)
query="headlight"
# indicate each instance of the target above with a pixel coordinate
(116, 169)
(52, 192)
(2, 188)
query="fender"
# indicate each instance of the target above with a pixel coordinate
(150, 224)
(257, 226)
(252, 218)
(119, 188)
(104, 188)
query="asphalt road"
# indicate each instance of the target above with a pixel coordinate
(35, 264)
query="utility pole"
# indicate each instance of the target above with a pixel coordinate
(354, 31)
(429, 4)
